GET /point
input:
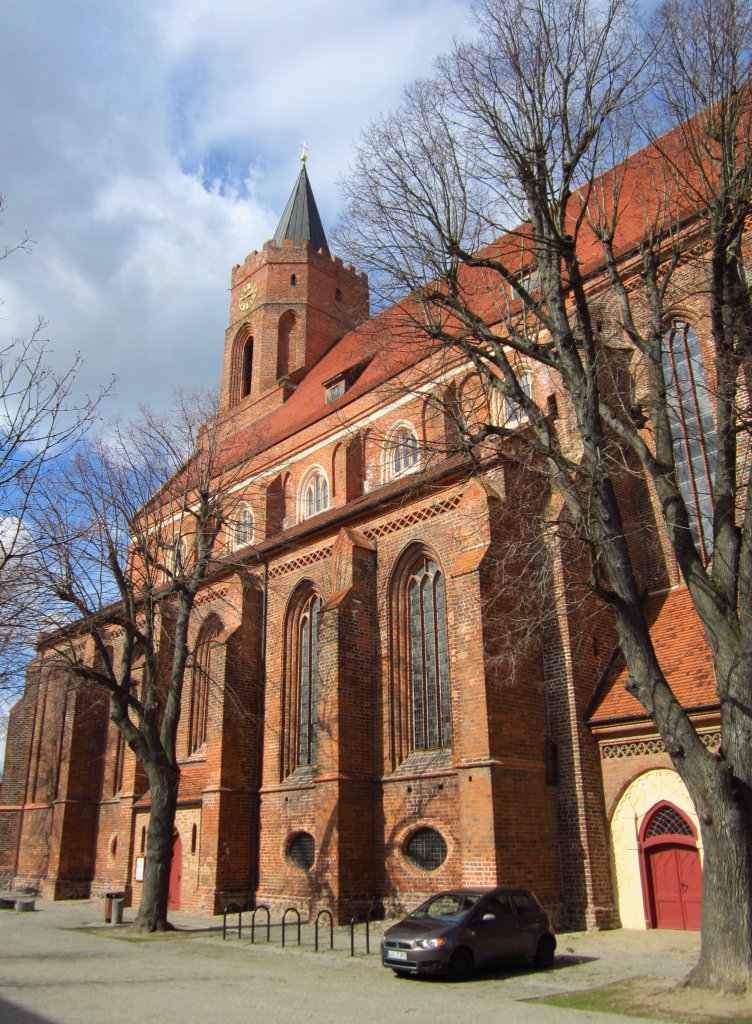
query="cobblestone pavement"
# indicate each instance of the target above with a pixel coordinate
(63, 965)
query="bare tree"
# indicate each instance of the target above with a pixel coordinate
(41, 421)
(487, 198)
(135, 525)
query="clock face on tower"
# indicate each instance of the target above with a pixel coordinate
(247, 296)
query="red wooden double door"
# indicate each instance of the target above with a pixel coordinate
(672, 871)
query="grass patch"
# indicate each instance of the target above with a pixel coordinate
(657, 999)
(610, 999)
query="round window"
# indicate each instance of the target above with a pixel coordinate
(301, 850)
(426, 849)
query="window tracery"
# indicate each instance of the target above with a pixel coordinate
(314, 496)
(429, 669)
(241, 527)
(420, 659)
(426, 849)
(401, 453)
(667, 821)
(301, 713)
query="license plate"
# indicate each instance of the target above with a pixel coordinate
(396, 954)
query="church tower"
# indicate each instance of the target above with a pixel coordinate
(289, 303)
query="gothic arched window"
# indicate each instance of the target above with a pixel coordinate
(508, 412)
(419, 657)
(400, 452)
(242, 527)
(247, 368)
(201, 682)
(177, 553)
(429, 664)
(301, 716)
(692, 429)
(314, 496)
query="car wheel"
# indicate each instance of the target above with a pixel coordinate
(544, 954)
(461, 965)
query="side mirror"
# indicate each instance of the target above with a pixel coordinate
(488, 916)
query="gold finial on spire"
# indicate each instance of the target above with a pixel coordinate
(304, 155)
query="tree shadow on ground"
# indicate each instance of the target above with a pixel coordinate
(10, 1013)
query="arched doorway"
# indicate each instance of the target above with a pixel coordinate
(671, 869)
(176, 873)
(639, 800)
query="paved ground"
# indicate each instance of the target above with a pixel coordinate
(62, 965)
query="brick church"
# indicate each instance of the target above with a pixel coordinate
(388, 747)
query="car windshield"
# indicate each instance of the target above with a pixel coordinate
(447, 906)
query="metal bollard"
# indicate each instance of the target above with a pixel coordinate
(117, 911)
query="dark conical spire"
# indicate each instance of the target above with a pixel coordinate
(301, 222)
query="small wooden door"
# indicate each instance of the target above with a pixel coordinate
(176, 873)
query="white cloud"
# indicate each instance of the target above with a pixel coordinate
(148, 146)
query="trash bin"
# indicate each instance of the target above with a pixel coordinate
(108, 898)
(117, 910)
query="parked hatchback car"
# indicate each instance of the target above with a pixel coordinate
(456, 931)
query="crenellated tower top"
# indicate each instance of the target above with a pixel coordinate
(289, 304)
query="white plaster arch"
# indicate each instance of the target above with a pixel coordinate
(637, 800)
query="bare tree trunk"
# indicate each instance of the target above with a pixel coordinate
(726, 952)
(152, 911)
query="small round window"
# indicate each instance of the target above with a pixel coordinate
(301, 850)
(426, 849)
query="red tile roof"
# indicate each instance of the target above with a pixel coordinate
(386, 344)
(391, 342)
(683, 654)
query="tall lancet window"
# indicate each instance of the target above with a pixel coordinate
(692, 429)
(300, 727)
(429, 665)
(308, 631)
(246, 369)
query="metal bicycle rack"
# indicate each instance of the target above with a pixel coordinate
(232, 908)
(290, 910)
(325, 913)
(261, 906)
(364, 916)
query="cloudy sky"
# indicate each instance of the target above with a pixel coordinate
(147, 145)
